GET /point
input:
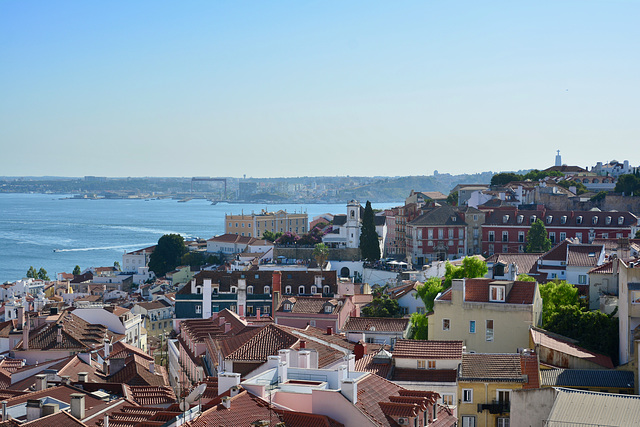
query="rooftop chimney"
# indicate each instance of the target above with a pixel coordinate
(59, 334)
(276, 291)
(282, 372)
(349, 390)
(226, 402)
(359, 350)
(107, 348)
(304, 359)
(65, 379)
(50, 408)
(258, 313)
(227, 327)
(106, 421)
(4, 410)
(82, 377)
(34, 409)
(152, 367)
(41, 382)
(303, 344)
(21, 317)
(77, 405)
(25, 335)
(226, 380)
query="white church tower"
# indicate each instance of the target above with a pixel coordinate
(353, 224)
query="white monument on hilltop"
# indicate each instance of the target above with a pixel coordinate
(558, 159)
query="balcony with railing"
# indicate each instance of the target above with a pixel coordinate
(495, 407)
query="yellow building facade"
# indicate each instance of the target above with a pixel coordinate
(254, 225)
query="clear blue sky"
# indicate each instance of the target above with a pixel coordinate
(277, 88)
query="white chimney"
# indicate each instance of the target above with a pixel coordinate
(242, 297)
(304, 359)
(106, 421)
(152, 367)
(272, 362)
(4, 410)
(226, 380)
(77, 405)
(282, 372)
(343, 373)
(107, 348)
(226, 402)
(206, 299)
(82, 378)
(285, 355)
(25, 334)
(349, 390)
(351, 362)
(41, 382)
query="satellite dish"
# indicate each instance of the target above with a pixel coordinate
(195, 395)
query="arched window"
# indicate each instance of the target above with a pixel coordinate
(326, 290)
(249, 289)
(234, 290)
(300, 289)
(314, 290)
(267, 290)
(344, 272)
(620, 220)
(287, 289)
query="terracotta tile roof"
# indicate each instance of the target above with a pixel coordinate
(69, 366)
(244, 410)
(446, 418)
(150, 396)
(368, 363)
(59, 419)
(379, 324)
(263, 344)
(129, 415)
(491, 367)
(394, 409)
(557, 253)
(154, 305)
(400, 291)
(606, 268)
(526, 262)
(233, 238)
(443, 215)
(311, 305)
(121, 350)
(427, 349)
(426, 375)
(373, 390)
(136, 372)
(11, 365)
(584, 255)
(529, 366)
(477, 290)
(299, 419)
(560, 344)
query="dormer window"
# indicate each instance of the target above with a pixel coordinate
(496, 293)
(234, 290)
(533, 218)
(594, 220)
(620, 220)
(549, 219)
(287, 306)
(300, 290)
(198, 290)
(287, 289)
(563, 219)
(579, 219)
(520, 219)
(505, 219)
(328, 309)
(249, 289)
(607, 220)
(266, 290)
(326, 290)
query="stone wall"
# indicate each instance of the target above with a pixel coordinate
(347, 254)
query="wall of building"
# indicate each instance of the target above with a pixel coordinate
(346, 254)
(531, 407)
(413, 363)
(484, 393)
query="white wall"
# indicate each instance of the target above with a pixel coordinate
(440, 363)
(101, 316)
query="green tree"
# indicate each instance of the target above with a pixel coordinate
(116, 265)
(537, 238)
(77, 271)
(504, 178)
(419, 326)
(452, 198)
(580, 187)
(471, 268)
(637, 236)
(42, 274)
(537, 175)
(32, 273)
(382, 306)
(320, 253)
(628, 184)
(270, 236)
(598, 197)
(369, 239)
(525, 278)
(193, 259)
(557, 294)
(167, 254)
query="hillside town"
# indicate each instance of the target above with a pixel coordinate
(514, 303)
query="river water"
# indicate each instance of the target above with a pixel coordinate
(95, 233)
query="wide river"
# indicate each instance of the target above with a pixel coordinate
(95, 233)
